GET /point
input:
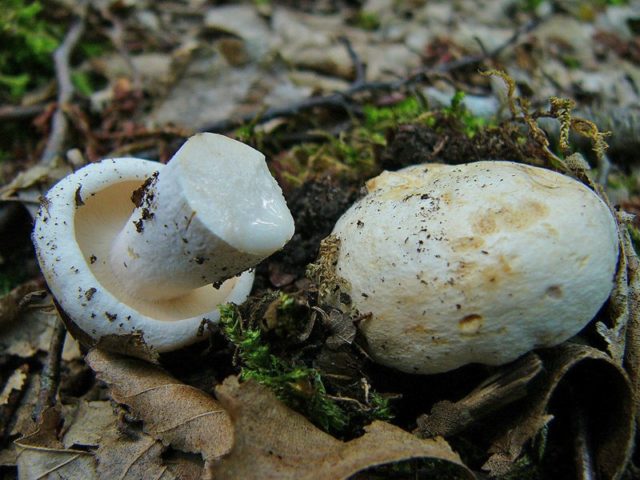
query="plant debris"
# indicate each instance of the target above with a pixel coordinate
(333, 92)
(275, 442)
(172, 412)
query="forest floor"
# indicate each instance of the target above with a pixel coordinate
(332, 92)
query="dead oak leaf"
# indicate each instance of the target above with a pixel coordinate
(42, 456)
(176, 414)
(274, 442)
(131, 459)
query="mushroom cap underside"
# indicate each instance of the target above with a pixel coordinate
(73, 234)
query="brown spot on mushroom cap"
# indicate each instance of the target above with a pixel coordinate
(467, 243)
(554, 291)
(417, 329)
(509, 217)
(470, 324)
(497, 273)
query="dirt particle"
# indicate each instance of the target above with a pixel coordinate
(93, 259)
(138, 195)
(112, 317)
(89, 293)
(78, 197)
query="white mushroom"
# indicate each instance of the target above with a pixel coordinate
(130, 246)
(473, 263)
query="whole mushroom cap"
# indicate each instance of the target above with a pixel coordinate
(474, 263)
(74, 231)
(136, 250)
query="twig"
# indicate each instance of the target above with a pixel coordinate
(65, 92)
(510, 384)
(50, 376)
(17, 112)
(344, 99)
(359, 67)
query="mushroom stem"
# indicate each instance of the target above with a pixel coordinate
(212, 212)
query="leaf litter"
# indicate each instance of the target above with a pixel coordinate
(275, 442)
(511, 421)
(174, 413)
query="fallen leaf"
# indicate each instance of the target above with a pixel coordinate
(132, 458)
(576, 378)
(621, 301)
(26, 324)
(632, 351)
(37, 178)
(126, 458)
(15, 383)
(88, 423)
(176, 414)
(10, 303)
(42, 456)
(274, 442)
(94, 424)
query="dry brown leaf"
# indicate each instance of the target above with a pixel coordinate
(176, 414)
(632, 350)
(30, 185)
(274, 442)
(42, 456)
(598, 387)
(26, 326)
(22, 421)
(126, 458)
(623, 303)
(10, 303)
(15, 383)
(94, 424)
(87, 424)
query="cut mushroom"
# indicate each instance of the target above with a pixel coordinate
(130, 246)
(473, 263)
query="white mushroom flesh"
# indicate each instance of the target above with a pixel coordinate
(474, 263)
(82, 218)
(211, 213)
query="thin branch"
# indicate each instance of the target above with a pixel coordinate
(59, 123)
(511, 383)
(344, 99)
(358, 65)
(17, 112)
(50, 376)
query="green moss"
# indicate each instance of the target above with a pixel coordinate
(366, 20)
(28, 42)
(298, 385)
(378, 118)
(469, 123)
(530, 5)
(571, 62)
